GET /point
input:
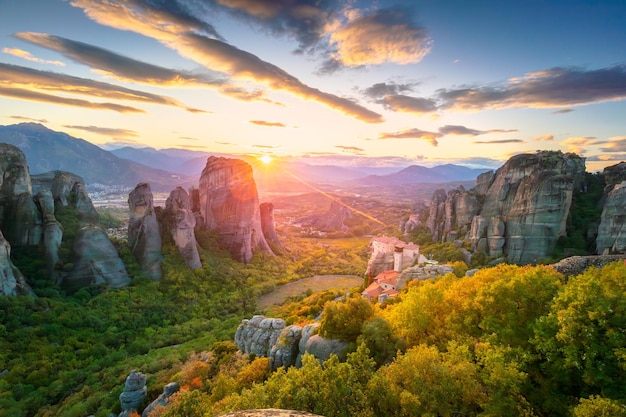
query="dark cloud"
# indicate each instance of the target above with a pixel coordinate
(431, 137)
(27, 79)
(105, 131)
(407, 104)
(556, 87)
(266, 123)
(24, 94)
(495, 142)
(466, 131)
(115, 65)
(380, 90)
(562, 111)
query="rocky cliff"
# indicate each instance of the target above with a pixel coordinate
(46, 211)
(12, 281)
(180, 221)
(284, 345)
(144, 238)
(268, 226)
(520, 211)
(229, 204)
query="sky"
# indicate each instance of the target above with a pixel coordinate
(378, 83)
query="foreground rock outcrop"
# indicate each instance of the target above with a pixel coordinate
(284, 345)
(168, 390)
(144, 238)
(181, 221)
(519, 211)
(134, 392)
(576, 265)
(229, 204)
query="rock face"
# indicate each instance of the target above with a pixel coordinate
(11, 279)
(144, 237)
(169, 390)
(134, 393)
(181, 222)
(520, 211)
(331, 221)
(97, 261)
(268, 226)
(284, 345)
(229, 204)
(612, 230)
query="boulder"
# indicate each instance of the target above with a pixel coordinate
(97, 261)
(12, 281)
(229, 204)
(134, 392)
(181, 223)
(612, 230)
(576, 265)
(168, 390)
(144, 238)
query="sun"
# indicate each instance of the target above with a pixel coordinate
(266, 159)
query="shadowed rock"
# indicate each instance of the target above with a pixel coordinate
(181, 222)
(11, 279)
(267, 224)
(168, 390)
(229, 204)
(134, 393)
(144, 238)
(612, 230)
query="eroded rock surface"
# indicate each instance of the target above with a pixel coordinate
(181, 223)
(144, 238)
(12, 281)
(268, 226)
(134, 392)
(168, 390)
(229, 204)
(612, 230)
(520, 211)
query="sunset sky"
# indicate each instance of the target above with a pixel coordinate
(408, 82)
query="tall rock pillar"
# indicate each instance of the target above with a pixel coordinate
(144, 238)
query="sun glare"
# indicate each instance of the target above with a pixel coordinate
(266, 159)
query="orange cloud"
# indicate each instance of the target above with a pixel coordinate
(430, 137)
(20, 53)
(269, 124)
(543, 138)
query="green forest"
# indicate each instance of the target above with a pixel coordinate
(508, 341)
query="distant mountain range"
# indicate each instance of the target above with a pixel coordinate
(164, 169)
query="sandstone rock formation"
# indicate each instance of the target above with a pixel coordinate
(612, 230)
(168, 390)
(229, 204)
(12, 281)
(268, 226)
(284, 345)
(331, 221)
(97, 261)
(181, 222)
(520, 211)
(134, 392)
(144, 237)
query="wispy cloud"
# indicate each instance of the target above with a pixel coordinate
(24, 94)
(614, 144)
(105, 131)
(380, 90)
(556, 87)
(543, 138)
(242, 94)
(28, 119)
(408, 104)
(266, 146)
(351, 149)
(174, 27)
(20, 53)
(266, 123)
(187, 138)
(579, 144)
(115, 65)
(466, 131)
(22, 82)
(608, 157)
(415, 133)
(562, 111)
(496, 142)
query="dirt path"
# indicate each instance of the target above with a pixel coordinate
(316, 283)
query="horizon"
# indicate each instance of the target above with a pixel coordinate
(337, 81)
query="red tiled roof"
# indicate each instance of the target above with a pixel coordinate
(387, 277)
(373, 291)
